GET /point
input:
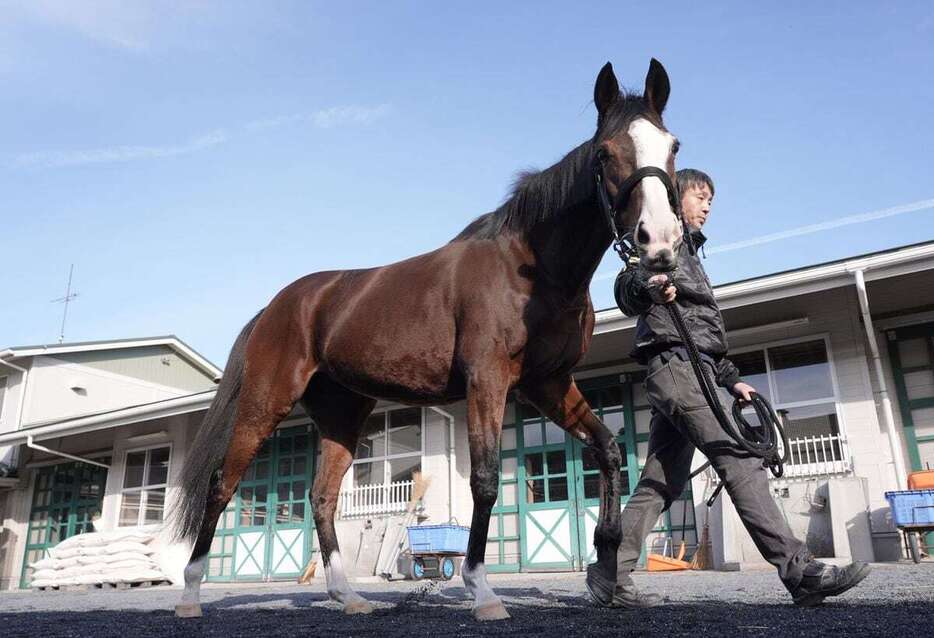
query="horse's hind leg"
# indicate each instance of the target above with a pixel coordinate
(270, 388)
(561, 401)
(244, 444)
(339, 414)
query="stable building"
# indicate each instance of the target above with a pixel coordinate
(95, 434)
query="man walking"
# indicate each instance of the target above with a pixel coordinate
(682, 420)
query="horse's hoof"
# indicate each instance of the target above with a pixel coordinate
(491, 611)
(188, 611)
(358, 607)
(601, 589)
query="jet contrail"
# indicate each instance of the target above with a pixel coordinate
(924, 204)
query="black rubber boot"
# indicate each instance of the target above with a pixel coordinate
(821, 580)
(628, 597)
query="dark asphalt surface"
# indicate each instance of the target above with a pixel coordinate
(893, 600)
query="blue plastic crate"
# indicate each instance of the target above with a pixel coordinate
(438, 539)
(912, 508)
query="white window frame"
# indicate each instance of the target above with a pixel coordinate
(144, 497)
(6, 392)
(763, 347)
(389, 457)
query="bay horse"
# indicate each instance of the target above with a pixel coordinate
(503, 306)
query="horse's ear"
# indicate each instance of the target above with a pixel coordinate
(657, 86)
(606, 90)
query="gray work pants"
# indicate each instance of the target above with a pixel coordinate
(681, 422)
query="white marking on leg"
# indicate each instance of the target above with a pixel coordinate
(653, 147)
(194, 572)
(338, 587)
(477, 586)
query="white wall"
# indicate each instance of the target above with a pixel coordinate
(110, 442)
(50, 395)
(9, 413)
(360, 538)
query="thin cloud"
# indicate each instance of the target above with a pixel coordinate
(117, 154)
(924, 204)
(115, 23)
(326, 118)
(828, 225)
(340, 115)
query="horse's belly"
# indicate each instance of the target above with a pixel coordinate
(412, 367)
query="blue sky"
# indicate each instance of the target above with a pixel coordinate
(191, 162)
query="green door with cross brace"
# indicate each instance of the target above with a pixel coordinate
(267, 530)
(912, 354)
(66, 499)
(549, 500)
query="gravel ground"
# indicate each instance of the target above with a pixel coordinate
(895, 598)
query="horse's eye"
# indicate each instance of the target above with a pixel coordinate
(602, 155)
(675, 147)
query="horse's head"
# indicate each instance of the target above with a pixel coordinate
(631, 136)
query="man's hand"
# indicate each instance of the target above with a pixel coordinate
(743, 390)
(661, 290)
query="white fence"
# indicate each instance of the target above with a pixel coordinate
(366, 500)
(818, 456)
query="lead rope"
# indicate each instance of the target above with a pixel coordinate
(761, 440)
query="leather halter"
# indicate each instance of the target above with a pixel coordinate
(625, 244)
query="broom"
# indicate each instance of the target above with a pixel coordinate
(702, 558)
(420, 485)
(309, 572)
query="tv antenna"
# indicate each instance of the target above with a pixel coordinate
(69, 295)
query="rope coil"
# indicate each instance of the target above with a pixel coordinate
(760, 440)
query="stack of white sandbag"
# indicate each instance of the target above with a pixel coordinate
(119, 556)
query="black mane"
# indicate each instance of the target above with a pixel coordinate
(540, 195)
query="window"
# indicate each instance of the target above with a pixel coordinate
(3, 384)
(145, 476)
(390, 448)
(798, 380)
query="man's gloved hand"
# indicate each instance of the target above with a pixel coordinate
(660, 289)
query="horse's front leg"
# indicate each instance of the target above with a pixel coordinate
(561, 401)
(486, 400)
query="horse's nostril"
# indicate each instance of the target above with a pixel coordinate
(662, 261)
(642, 236)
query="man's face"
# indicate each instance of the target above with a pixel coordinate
(695, 205)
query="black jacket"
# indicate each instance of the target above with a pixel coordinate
(655, 330)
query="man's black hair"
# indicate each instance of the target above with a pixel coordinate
(690, 177)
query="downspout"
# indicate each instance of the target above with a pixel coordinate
(22, 399)
(451, 463)
(887, 414)
(451, 491)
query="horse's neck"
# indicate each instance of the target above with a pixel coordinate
(569, 247)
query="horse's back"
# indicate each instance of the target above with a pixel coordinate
(390, 332)
(398, 331)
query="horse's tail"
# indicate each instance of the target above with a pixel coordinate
(207, 451)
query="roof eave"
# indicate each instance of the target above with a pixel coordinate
(802, 281)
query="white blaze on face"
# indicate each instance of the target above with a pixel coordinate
(653, 146)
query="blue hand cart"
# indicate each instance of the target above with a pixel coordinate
(434, 549)
(913, 514)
